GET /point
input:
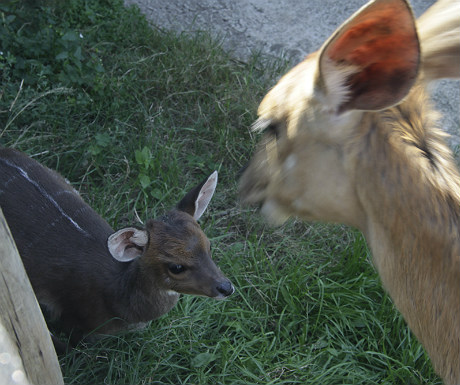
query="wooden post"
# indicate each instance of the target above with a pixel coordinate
(27, 354)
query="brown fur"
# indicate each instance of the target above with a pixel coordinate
(90, 278)
(386, 171)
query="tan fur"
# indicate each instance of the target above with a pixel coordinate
(413, 225)
(439, 33)
(386, 171)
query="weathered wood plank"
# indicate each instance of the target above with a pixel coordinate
(23, 332)
(11, 370)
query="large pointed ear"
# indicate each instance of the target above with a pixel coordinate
(197, 199)
(372, 60)
(127, 244)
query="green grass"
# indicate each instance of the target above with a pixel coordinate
(133, 117)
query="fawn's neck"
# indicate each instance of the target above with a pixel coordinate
(410, 190)
(142, 298)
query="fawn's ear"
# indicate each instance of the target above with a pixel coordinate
(198, 198)
(127, 244)
(372, 60)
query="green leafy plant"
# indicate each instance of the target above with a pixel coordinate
(41, 50)
(144, 161)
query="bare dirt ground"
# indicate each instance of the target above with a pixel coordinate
(281, 28)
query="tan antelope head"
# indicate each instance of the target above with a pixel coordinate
(350, 136)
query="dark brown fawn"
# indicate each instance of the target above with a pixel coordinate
(94, 279)
(351, 137)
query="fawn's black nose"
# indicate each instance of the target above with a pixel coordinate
(225, 288)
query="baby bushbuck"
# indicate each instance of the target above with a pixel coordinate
(91, 278)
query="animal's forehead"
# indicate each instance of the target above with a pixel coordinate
(291, 92)
(183, 231)
(178, 218)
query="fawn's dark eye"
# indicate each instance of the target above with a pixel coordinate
(176, 269)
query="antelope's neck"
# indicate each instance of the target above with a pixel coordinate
(409, 187)
(141, 298)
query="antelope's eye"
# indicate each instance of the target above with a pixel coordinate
(273, 129)
(176, 269)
